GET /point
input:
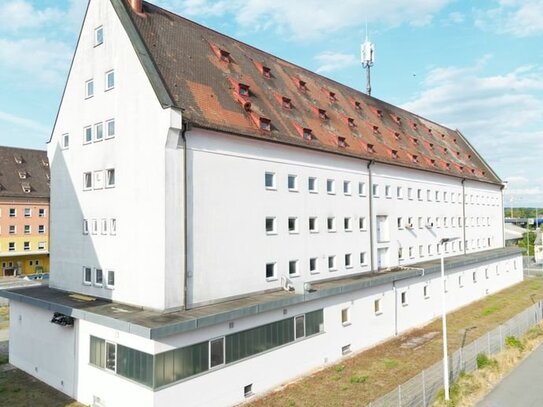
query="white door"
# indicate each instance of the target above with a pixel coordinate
(382, 228)
(382, 258)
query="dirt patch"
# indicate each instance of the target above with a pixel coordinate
(331, 387)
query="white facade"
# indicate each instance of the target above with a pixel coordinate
(151, 213)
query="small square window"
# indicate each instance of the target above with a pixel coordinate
(312, 184)
(331, 263)
(346, 316)
(87, 275)
(270, 270)
(399, 192)
(313, 225)
(98, 132)
(269, 180)
(348, 224)
(248, 390)
(27, 229)
(377, 306)
(375, 190)
(89, 88)
(41, 229)
(98, 36)
(331, 224)
(403, 297)
(363, 261)
(110, 283)
(361, 189)
(270, 226)
(65, 141)
(293, 267)
(292, 183)
(388, 191)
(98, 277)
(347, 187)
(313, 265)
(110, 128)
(362, 223)
(12, 212)
(87, 135)
(28, 212)
(330, 186)
(348, 260)
(293, 225)
(26, 246)
(110, 178)
(110, 80)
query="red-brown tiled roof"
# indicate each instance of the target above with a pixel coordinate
(24, 173)
(226, 85)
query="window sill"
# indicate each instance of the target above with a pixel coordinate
(271, 233)
(271, 279)
(110, 186)
(89, 97)
(314, 231)
(87, 284)
(271, 189)
(332, 270)
(107, 90)
(405, 305)
(378, 313)
(313, 192)
(109, 137)
(346, 323)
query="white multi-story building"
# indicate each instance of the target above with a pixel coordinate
(196, 179)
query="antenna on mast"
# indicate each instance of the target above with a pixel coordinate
(367, 52)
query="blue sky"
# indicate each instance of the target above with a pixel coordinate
(475, 65)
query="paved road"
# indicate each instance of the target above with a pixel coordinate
(520, 388)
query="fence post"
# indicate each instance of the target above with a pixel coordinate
(423, 389)
(400, 395)
(501, 338)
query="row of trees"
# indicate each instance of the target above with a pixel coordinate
(523, 212)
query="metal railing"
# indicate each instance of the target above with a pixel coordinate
(421, 390)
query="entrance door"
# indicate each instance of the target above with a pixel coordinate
(382, 258)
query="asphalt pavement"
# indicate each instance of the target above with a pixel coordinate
(521, 387)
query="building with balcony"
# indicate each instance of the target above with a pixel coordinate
(231, 221)
(24, 211)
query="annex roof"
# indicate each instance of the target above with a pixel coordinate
(24, 173)
(226, 85)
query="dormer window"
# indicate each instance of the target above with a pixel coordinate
(415, 126)
(433, 163)
(332, 96)
(431, 145)
(286, 102)
(357, 105)
(379, 113)
(266, 72)
(26, 187)
(243, 90)
(341, 142)
(398, 120)
(302, 85)
(224, 55)
(415, 140)
(18, 159)
(415, 158)
(370, 148)
(394, 154)
(321, 113)
(307, 134)
(264, 124)
(350, 122)
(396, 135)
(375, 129)
(448, 165)
(22, 174)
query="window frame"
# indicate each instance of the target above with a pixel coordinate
(109, 171)
(97, 40)
(315, 188)
(106, 80)
(97, 126)
(223, 339)
(273, 186)
(85, 281)
(294, 179)
(273, 230)
(89, 88)
(65, 141)
(107, 135)
(346, 316)
(96, 274)
(274, 269)
(85, 139)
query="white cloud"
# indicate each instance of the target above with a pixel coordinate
(456, 17)
(499, 114)
(311, 19)
(23, 122)
(37, 61)
(333, 61)
(521, 18)
(20, 14)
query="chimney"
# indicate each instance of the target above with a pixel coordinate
(136, 5)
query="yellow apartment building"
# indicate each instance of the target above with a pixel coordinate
(24, 211)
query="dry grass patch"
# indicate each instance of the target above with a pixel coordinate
(17, 389)
(389, 364)
(471, 388)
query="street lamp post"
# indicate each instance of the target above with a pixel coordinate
(444, 318)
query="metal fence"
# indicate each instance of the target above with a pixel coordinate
(421, 390)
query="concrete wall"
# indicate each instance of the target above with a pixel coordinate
(145, 255)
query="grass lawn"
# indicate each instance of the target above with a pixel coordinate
(370, 374)
(4, 317)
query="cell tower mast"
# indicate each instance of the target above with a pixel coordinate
(368, 58)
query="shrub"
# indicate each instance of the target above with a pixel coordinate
(358, 379)
(339, 368)
(484, 361)
(514, 342)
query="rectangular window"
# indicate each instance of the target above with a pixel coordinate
(313, 225)
(460, 282)
(429, 250)
(94, 227)
(87, 135)
(41, 229)
(113, 227)
(403, 297)
(12, 212)
(110, 128)
(411, 254)
(474, 277)
(89, 88)
(399, 223)
(399, 192)
(87, 181)
(26, 246)
(293, 267)
(98, 36)
(363, 261)
(419, 194)
(270, 270)
(97, 352)
(111, 356)
(348, 260)
(12, 229)
(270, 226)
(428, 195)
(346, 316)
(348, 224)
(312, 184)
(331, 263)
(388, 191)
(65, 141)
(216, 352)
(410, 193)
(87, 275)
(362, 223)
(104, 226)
(269, 180)
(313, 265)
(292, 183)
(361, 189)
(98, 132)
(110, 80)
(41, 245)
(421, 222)
(110, 178)
(85, 226)
(293, 225)
(425, 291)
(330, 186)
(331, 224)
(299, 327)
(347, 187)
(98, 277)
(41, 213)
(377, 306)
(375, 190)
(11, 246)
(421, 251)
